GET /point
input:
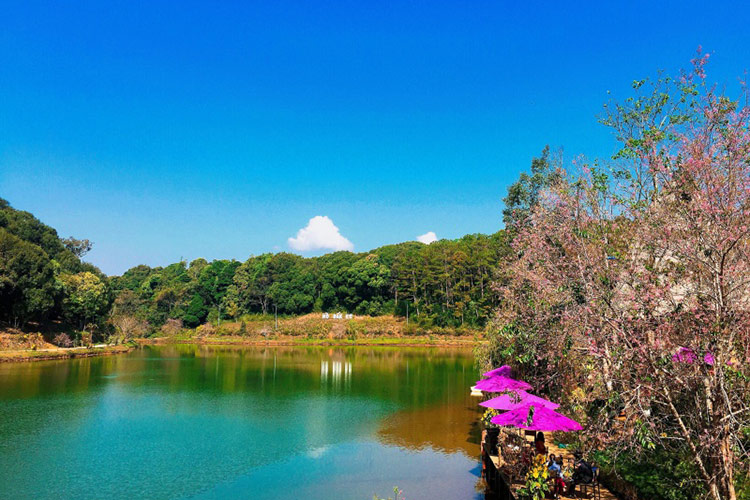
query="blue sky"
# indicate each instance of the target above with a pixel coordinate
(163, 131)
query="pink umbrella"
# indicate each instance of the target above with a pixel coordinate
(503, 371)
(542, 419)
(517, 400)
(501, 384)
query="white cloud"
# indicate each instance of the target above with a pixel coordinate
(320, 234)
(427, 237)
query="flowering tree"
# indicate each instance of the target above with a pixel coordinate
(641, 271)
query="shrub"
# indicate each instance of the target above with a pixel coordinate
(536, 486)
(411, 330)
(128, 326)
(172, 327)
(353, 331)
(86, 338)
(62, 340)
(206, 329)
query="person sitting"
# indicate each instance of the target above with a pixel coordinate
(527, 456)
(553, 466)
(583, 473)
(541, 449)
(555, 474)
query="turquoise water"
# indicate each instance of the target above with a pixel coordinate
(252, 422)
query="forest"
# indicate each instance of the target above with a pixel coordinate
(44, 281)
(447, 283)
(42, 276)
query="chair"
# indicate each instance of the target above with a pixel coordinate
(593, 486)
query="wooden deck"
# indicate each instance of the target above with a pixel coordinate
(503, 485)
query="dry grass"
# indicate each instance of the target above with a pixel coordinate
(58, 353)
(13, 339)
(312, 329)
(314, 326)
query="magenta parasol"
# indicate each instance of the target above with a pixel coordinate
(543, 419)
(501, 384)
(517, 400)
(503, 371)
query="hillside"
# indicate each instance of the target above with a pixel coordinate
(46, 287)
(43, 280)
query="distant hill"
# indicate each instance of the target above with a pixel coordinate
(447, 283)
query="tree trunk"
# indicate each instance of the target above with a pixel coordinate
(727, 466)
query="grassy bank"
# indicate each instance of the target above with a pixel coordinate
(18, 355)
(312, 329)
(282, 341)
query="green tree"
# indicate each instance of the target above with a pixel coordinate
(251, 285)
(523, 195)
(27, 285)
(196, 311)
(85, 298)
(369, 280)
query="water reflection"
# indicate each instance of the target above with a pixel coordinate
(150, 419)
(445, 427)
(339, 371)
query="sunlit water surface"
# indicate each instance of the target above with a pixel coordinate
(246, 422)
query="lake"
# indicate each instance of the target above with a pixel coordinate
(209, 422)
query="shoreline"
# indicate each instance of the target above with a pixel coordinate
(377, 342)
(29, 355)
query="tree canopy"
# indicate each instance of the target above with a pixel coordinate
(38, 271)
(446, 283)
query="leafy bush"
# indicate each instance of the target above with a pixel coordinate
(656, 474)
(62, 340)
(172, 327)
(205, 330)
(536, 485)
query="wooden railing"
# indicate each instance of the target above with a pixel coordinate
(497, 482)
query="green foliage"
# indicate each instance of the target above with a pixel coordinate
(27, 285)
(536, 483)
(196, 312)
(445, 284)
(77, 247)
(742, 483)
(85, 298)
(510, 343)
(523, 195)
(35, 274)
(656, 474)
(31, 230)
